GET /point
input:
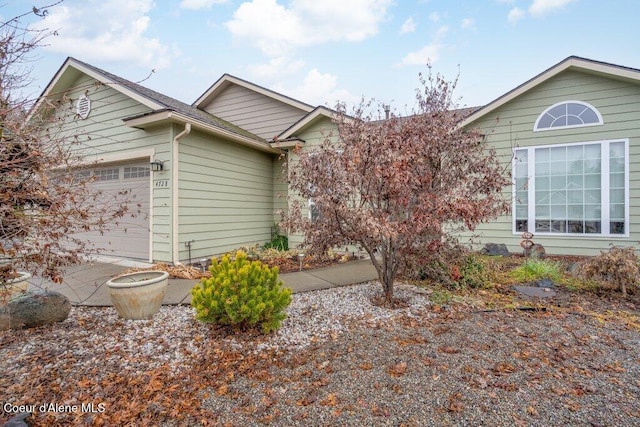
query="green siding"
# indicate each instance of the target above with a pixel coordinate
(103, 133)
(226, 195)
(312, 135)
(280, 188)
(511, 125)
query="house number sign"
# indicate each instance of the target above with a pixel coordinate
(161, 183)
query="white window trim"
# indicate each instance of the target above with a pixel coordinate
(586, 104)
(531, 188)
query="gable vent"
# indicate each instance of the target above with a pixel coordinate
(83, 107)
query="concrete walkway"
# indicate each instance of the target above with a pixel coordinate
(85, 284)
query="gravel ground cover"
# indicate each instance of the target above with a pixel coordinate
(338, 360)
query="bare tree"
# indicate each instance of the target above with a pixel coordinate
(400, 188)
(45, 198)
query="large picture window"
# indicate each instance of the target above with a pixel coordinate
(572, 189)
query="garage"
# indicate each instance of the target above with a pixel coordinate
(129, 238)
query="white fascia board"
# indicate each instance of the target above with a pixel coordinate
(174, 117)
(571, 62)
(227, 79)
(71, 63)
(306, 120)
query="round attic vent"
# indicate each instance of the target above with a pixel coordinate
(83, 107)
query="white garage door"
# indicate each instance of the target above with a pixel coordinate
(128, 238)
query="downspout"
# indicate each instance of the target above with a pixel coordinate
(175, 237)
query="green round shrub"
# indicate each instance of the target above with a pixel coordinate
(241, 293)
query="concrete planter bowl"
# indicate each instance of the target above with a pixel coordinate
(15, 287)
(138, 295)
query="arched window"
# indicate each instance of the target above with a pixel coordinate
(568, 114)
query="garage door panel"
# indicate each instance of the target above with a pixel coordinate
(129, 236)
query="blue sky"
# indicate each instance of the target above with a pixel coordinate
(320, 51)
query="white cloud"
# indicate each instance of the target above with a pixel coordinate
(276, 67)
(409, 26)
(467, 23)
(277, 30)
(515, 15)
(199, 4)
(318, 89)
(111, 30)
(542, 7)
(434, 17)
(427, 55)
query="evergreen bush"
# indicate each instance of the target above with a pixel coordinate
(241, 293)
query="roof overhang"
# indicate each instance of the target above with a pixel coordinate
(573, 62)
(317, 113)
(227, 80)
(169, 117)
(71, 69)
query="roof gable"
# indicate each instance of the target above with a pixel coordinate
(161, 105)
(571, 63)
(227, 80)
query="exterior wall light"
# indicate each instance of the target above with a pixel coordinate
(157, 166)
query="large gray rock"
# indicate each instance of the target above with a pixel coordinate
(38, 309)
(495, 249)
(536, 251)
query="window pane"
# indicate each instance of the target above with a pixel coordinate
(573, 121)
(575, 196)
(616, 212)
(589, 116)
(592, 151)
(575, 227)
(521, 212)
(521, 184)
(542, 226)
(560, 121)
(617, 227)
(542, 211)
(558, 182)
(592, 227)
(592, 181)
(575, 212)
(542, 183)
(542, 197)
(522, 225)
(558, 110)
(616, 165)
(616, 180)
(545, 122)
(592, 212)
(558, 168)
(522, 170)
(542, 155)
(522, 197)
(575, 109)
(568, 189)
(592, 196)
(558, 226)
(558, 197)
(558, 211)
(616, 196)
(616, 149)
(575, 182)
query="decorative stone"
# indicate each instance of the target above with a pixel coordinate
(35, 309)
(534, 291)
(495, 249)
(536, 251)
(544, 283)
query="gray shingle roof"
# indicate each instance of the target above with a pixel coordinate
(172, 104)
